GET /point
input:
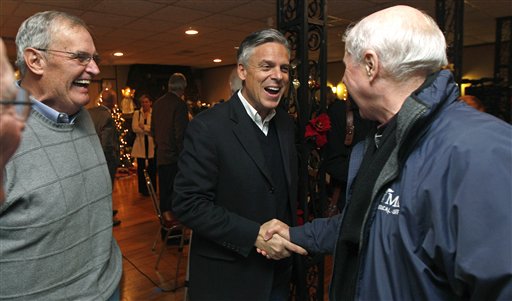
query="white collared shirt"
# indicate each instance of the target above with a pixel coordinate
(262, 124)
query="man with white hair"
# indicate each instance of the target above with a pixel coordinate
(429, 210)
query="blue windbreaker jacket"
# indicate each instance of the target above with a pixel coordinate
(440, 223)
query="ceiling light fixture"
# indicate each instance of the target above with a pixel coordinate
(217, 60)
(191, 31)
(118, 53)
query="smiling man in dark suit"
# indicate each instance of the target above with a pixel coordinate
(238, 169)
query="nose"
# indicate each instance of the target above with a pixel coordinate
(278, 74)
(92, 68)
(21, 124)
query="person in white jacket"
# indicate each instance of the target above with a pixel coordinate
(143, 147)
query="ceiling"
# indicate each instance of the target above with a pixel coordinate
(152, 31)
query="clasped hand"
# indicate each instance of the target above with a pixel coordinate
(274, 242)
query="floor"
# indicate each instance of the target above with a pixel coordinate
(135, 236)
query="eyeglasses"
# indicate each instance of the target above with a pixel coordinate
(83, 58)
(21, 106)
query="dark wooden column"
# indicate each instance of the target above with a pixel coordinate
(503, 66)
(303, 22)
(450, 18)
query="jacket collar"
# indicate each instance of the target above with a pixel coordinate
(413, 119)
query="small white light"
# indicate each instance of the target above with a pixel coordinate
(191, 31)
(118, 53)
(217, 60)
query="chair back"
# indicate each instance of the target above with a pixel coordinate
(167, 224)
(154, 198)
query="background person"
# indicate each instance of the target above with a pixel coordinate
(473, 101)
(8, 89)
(429, 209)
(56, 221)
(343, 115)
(168, 123)
(143, 147)
(235, 83)
(12, 116)
(238, 168)
(106, 130)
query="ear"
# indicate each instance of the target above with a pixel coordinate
(371, 64)
(242, 72)
(34, 60)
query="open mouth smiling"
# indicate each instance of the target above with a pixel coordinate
(273, 90)
(84, 83)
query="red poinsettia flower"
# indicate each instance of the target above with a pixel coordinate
(321, 140)
(317, 128)
(300, 217)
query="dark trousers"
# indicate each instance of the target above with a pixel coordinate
(166, 175)
(141, 165)
(112, 166)
(282, 277)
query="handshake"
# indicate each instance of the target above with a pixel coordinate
(274, 242)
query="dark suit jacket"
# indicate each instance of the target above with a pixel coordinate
(224, 192)
(169, 120)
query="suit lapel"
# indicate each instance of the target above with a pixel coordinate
(242, 130)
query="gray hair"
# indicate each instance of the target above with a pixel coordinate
(37, 31)
(405, 46)
(256, 39)
(177, 82)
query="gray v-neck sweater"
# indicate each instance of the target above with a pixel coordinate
(56, 238)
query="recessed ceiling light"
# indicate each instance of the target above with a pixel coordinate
(191, 31)
(217, 60)
(118, 53)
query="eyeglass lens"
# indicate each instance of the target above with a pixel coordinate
(85, 58)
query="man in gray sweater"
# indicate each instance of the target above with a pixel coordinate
(56, 238)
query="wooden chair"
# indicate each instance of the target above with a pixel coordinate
(173, 229)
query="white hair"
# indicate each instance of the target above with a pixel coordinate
(177, 82)
(405, 46)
